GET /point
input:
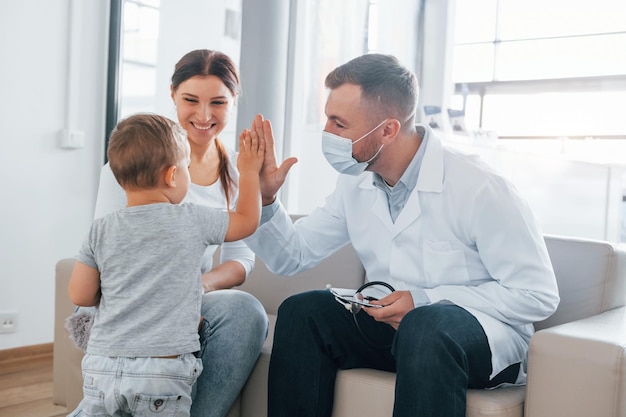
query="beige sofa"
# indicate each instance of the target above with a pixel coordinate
(577, 359)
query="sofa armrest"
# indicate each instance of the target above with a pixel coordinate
(579, 368)
(67, 375)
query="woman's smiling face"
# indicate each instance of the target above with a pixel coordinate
(203, 107)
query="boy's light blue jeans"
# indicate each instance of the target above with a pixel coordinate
(119, 386)
(232, 335)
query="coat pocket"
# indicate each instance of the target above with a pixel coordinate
(443, 264)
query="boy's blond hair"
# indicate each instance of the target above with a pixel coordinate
(142, 147)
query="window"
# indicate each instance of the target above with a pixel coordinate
(319, 24)
(541, 68)
(140, 32)
(153, 34)
(330, 33)
(133, 37)
(148, 37)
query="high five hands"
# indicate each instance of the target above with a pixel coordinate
(272, 176)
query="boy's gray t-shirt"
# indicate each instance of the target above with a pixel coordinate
(149, 259)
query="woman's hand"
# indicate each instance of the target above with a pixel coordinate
(272, 176)
(226, 275)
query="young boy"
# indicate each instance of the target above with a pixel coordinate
(141, 267)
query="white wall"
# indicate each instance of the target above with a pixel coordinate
(47, 202)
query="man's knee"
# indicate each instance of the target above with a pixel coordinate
(434, 318)
(306, 303)
(442, 333)
(430, 328)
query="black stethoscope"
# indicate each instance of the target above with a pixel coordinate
(354, 307)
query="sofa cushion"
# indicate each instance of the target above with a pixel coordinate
(369, 392)
(376, 389)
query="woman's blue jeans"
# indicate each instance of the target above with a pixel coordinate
(438, 352)
(232, 335)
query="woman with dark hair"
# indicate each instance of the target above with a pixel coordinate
(205, 86)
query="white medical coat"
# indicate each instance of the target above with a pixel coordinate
(465, 236)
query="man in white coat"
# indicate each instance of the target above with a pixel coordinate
(456, 241)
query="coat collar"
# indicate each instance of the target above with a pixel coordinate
(430, 179)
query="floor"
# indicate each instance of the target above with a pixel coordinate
(26, 389)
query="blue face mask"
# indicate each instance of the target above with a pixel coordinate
(338, 152)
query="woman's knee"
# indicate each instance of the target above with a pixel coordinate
(234, 308)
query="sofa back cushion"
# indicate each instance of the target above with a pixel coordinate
(591, 276)
(343, 269)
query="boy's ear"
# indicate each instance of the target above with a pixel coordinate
(169, 176)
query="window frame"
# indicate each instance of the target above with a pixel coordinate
(565, 85)
(495, 86)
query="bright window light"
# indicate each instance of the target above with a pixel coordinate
(541, 68)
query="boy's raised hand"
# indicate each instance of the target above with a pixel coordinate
(245, 219)
(272, 176)
(251, 152)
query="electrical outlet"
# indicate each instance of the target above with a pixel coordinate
(8, 321)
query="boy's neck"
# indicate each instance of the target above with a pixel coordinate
(145, 197)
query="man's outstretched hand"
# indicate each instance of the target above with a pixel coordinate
(272, 176)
